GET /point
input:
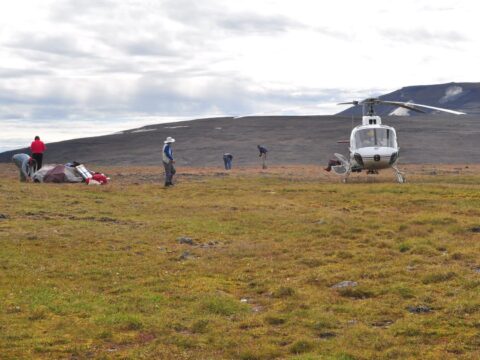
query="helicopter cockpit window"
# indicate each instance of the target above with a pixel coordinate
(374, 137)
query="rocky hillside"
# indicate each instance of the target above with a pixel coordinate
(440, 138)
(455, 96)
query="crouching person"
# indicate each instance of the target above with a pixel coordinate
(168, 161)
(26, 165)
(331, 163)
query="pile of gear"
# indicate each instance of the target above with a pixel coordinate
(69, 173)
(73, 172)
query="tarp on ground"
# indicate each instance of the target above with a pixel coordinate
(57, 174)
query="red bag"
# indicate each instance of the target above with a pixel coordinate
(102, 179)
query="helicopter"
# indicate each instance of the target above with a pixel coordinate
(374, 146)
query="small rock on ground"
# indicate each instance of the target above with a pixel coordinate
(185, 240)
(419, 309)
(344, 284)
(475, 229)
(382, 323)
(257, 308)
(3, 216)
(185, 256)
(210, 244)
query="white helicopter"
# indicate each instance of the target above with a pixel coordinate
(374, 146)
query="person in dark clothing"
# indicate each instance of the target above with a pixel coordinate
(37, 149)
(263, 154)
(227, 160)
(262, 149)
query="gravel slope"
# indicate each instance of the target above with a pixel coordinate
(290, 139)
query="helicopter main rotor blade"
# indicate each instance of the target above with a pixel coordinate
(412, 105)
(349, 103)
(441, 109)
(403, 105)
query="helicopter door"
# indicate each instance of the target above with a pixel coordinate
(344, 167)
(339, 169)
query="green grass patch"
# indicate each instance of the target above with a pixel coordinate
(104, 277)
(438, 277)
(222, 305)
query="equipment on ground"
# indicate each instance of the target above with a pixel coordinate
(69, 173)
(57, 174)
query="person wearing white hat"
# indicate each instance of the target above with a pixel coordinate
(168, 161)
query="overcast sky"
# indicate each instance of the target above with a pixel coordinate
(89, 66)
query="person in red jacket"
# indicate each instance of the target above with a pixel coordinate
(37, 148)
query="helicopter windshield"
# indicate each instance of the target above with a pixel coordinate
(375, 137)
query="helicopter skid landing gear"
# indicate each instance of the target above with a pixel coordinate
(400, 176)
(345, 177)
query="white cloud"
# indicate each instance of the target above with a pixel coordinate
(108, 59)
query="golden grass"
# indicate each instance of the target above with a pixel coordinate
(97, 272)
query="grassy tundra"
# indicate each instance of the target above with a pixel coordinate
(99, 272)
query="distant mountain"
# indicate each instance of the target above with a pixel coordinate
(455, 96)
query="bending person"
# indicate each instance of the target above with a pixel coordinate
(26, 166)
(227, 160)
(332, 162)
(263, 154)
